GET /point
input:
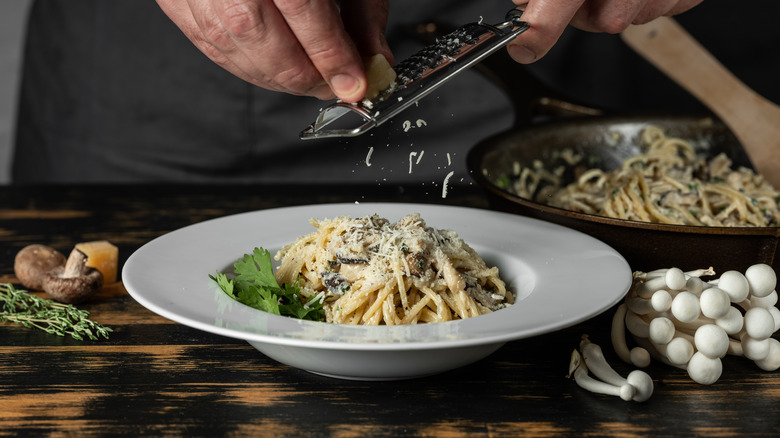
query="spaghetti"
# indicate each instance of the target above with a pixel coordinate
(369, 271)
(666, 183)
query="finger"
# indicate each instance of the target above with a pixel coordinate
(318, 27)
(653, 10)
(660, 8)
(366, 23)
(255, 37)
(683, 6)
(548, 19)
(609, 16)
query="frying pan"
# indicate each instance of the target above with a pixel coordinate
(646, 246)
(607, 140)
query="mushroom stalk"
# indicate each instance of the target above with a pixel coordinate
(77, 260)
(637, 356)
(579, 370)
(638, 386)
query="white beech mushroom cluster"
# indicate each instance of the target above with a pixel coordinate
(687, 322)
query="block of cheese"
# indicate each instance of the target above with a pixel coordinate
(103, 256)
(380, 75)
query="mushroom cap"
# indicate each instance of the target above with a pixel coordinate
(640, 357)
(642, 383)
(714, 303)
(694, 285)
(735, 284)
(679, 351)
(703, 369)
(759, 323)
(675, 278)
(711, 340)
(754, 349)
(732, 322)
(661, 330)
(772, 361)
(33, 262)
(762, 279)
(72, 290)
(685, 307)
(767, 302)
(661, 301)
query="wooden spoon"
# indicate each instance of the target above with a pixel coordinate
(754, 120)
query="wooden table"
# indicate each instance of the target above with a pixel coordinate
(156, 377)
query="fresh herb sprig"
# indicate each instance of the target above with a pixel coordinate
(254, 285)
(28, 310)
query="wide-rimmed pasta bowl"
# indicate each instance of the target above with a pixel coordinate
(606, 142)
(560, 277)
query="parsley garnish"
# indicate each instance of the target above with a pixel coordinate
(254, 285)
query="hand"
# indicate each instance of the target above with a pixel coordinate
(314, 48)
(549, 18)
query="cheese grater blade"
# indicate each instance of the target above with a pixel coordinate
(418, 76)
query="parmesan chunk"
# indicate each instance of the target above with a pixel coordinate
(380, 75)
(103, 256)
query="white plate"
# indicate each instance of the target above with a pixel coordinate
(561, 277)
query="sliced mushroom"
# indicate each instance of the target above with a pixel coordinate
(418, 263)
(74, 282)
(336, 283)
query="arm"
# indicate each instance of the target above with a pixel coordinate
(549, 18)
(313, 48)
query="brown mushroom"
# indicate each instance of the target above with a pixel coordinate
(33, 262)
(74, 282)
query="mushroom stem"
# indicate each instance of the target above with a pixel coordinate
(638, 386)
(637, 355)
(701, 272)
(619, 334)
(75, 264)
(579, 370)
(597, 363)
(648, 288)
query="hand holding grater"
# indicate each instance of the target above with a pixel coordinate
(418, 76)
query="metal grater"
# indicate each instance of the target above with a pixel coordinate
(418, 76)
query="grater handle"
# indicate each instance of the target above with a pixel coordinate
(418, 76)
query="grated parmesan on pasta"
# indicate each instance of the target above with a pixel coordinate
(370, 271)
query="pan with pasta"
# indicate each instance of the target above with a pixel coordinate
(661, 190)
(369, 271)
(666, 182)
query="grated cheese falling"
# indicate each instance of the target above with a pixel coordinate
(368, 156)
(446, 181)
(411, 160)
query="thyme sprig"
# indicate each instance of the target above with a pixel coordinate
(28, 310)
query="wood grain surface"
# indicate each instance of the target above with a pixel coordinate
(153, 377)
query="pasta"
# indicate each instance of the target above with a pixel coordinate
(666, 183)
(369, 271)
